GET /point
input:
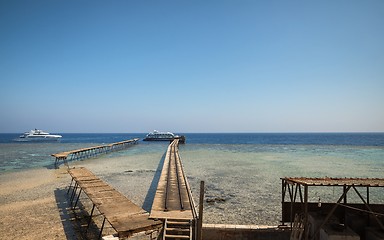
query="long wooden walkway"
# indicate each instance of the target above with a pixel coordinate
(173, 202)
(173, 198)
(91, 151)
(123, 215)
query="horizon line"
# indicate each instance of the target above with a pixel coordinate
(234, 132)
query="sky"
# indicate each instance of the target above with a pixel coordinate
(192, 66)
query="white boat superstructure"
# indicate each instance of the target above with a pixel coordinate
(160, 136)
(38, 135)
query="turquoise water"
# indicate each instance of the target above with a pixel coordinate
(242, 170)
(246, 177)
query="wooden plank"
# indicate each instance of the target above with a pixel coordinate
(123, 215)
(174, 179)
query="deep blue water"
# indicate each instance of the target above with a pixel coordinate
(353, 139)
(80, 137)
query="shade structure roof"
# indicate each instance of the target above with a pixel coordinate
(329, 181)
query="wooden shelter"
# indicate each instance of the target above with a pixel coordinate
(349, 218)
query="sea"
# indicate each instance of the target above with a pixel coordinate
(242, 171)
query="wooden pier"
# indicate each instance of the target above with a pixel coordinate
(124, 216)
(91, 151)
(173, 202)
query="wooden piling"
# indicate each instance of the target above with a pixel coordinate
(201, 208)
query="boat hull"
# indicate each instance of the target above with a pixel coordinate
(181, 138)
(38, 139)
(38, 135)
(157, 139)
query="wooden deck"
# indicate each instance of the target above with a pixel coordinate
(173, 198)
(123, 215)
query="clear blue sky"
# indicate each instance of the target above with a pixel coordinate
(192, 66)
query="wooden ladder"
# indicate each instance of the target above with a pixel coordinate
(177, 229)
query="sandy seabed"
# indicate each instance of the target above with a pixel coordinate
(32, 205)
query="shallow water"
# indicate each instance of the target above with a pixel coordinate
(243, 171)
(245, 177)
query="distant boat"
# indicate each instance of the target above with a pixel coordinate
(38, 135)
(162, 136)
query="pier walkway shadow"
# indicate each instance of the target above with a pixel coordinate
(66, 214)
(75, 221)
(148, 201)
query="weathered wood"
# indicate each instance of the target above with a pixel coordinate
(172, 198)
(123, 215)
(201, 208)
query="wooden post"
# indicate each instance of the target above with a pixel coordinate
(282, 199)
(201, 207)
(345, 203)
(306, 212)
(292, 201)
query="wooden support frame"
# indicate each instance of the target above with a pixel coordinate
(102, 228)
(90, 216)
(369, 208)
(343, 196)
(291, 187)
(294, 190)
(124, 216)
(91, 152)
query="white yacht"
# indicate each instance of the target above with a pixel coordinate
(38, 135)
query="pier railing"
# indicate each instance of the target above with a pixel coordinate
(89, 152)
